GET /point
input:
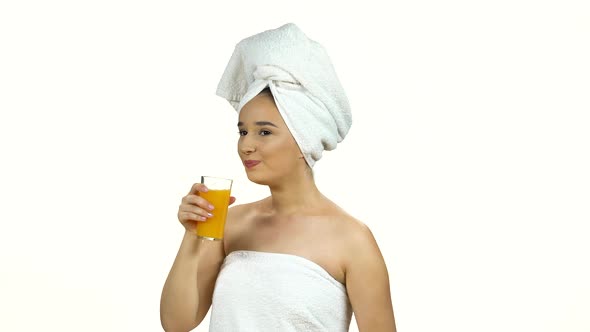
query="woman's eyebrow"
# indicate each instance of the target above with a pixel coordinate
(259, 123)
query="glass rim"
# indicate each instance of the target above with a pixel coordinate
(215, 177)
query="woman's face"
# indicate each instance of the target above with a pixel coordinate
(267, 148)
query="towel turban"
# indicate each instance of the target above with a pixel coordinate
(303, 83)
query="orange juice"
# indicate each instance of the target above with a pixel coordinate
(213, 227)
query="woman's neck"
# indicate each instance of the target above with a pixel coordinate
(294, 197)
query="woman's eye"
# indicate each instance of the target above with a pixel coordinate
(242, 132)
(264, 132)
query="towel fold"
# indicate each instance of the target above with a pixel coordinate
(303, 82)
(261, 291)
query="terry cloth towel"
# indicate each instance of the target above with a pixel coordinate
(303, 82)
(262, 291)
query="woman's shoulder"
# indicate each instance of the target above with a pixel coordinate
(350, 238)
(238, 221)
(352, 224)
(242, 210)
(352, 231)
(239, 215)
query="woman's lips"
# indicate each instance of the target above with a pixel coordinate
(251, 163)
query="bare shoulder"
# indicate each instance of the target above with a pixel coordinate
(360, 236)
(355, 231)
(366, 278)
(357, 241)
(240, 212)
(239, 218)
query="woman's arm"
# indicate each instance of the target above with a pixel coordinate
(185, 298)
(367, 283)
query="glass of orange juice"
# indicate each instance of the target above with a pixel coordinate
(218, 196)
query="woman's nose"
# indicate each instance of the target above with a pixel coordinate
(248, 150)
(246, 147)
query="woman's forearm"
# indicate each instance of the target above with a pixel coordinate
(180, 297)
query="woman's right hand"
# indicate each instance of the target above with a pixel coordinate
(194, 208)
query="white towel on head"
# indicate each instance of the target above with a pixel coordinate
(303, 82)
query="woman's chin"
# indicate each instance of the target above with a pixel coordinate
(256, 179)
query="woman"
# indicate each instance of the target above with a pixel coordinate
(293, 261)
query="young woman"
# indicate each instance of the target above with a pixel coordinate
(293, 261)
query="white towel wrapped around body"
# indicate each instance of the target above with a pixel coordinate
(303, 82)
(262, 291)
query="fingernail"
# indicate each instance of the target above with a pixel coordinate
(210, 207)
(209, 215)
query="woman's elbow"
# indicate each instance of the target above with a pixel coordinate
(176, 325)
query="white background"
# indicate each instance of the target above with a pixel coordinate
(468, 157)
